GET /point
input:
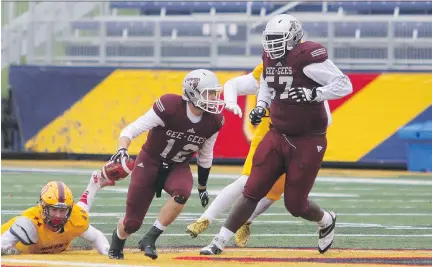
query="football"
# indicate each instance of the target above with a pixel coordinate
(118, 171)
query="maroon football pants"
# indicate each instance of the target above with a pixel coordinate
(299, 158)
(142, 188)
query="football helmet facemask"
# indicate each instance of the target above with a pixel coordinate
(283, 32)
(202, 88)
(56, 201)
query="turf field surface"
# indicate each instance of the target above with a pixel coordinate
(378, 212)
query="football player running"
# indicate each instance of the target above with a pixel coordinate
(178, 127)
(51, 226)
(297, 79)
(243, 85)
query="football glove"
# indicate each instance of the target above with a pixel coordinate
(9, 250)
(302, 95)
(234, 108)
(256, 115)
(204, 197)
(121, 152)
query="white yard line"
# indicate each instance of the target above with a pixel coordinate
(355, 180)
(307, 235)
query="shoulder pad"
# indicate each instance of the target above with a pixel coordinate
(79, 217)
(167, 105)
(24, 229)
(313, 53)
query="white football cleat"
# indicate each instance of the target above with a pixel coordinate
(326, 235)
(97, 179)
(215, 247)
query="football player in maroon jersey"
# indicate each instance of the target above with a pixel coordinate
(297, 78)
(178, 127)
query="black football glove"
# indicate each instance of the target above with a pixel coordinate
(122, 152)
(301, 94)
(203, 195)
(256, 115)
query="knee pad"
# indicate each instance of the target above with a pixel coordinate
(180, 199)
(131, 226)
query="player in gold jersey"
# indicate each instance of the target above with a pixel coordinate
(242, 85)
(51, 226)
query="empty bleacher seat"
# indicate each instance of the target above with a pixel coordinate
(360, 52)
(420, 53)
(182, 51)
(361, 29)
(413, 29)
(316, 29)
(189, 7)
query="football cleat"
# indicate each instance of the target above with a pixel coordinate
(147, 243)
(115, 254)
(326, 235)
(197, 227)
(215, 248)
(242, 235)
(211, 249)
(115, 251)
(97, 178)
(149, 251)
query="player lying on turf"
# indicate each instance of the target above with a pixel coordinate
(296, 81)
(51, 226)
(178, 127)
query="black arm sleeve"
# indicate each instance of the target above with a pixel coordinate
(203, 174)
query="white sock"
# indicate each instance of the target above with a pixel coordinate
(326, 220)
(89, 194)
(225, 199)
(159, 226)
(262, 206)
(223, 237)
(120, 236)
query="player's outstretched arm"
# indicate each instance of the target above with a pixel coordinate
(240, 85)
(334, 83)
(144, 123)
(97, 240)
(21, 230)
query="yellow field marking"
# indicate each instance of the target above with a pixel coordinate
(169, 257)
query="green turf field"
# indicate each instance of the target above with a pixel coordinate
(372, 212)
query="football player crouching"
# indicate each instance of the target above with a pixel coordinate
(51, 226)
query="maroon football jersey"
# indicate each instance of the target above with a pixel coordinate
(288, 116)
(180, 138)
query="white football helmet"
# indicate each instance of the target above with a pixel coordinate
(283, 32)
(202, 88)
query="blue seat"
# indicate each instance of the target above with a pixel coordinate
(188, 7)
(133, 28)
(183, 28)
(419, 53)
(231, 50)
(181, 51)
(316, 29)
(367, 29)
(360, 53)
(82, 50)
(129, 51)
(382, 7)
(406, 29)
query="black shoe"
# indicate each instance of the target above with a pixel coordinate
(147, 243)
(116, 248)
(149, 251)
(115, 254)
